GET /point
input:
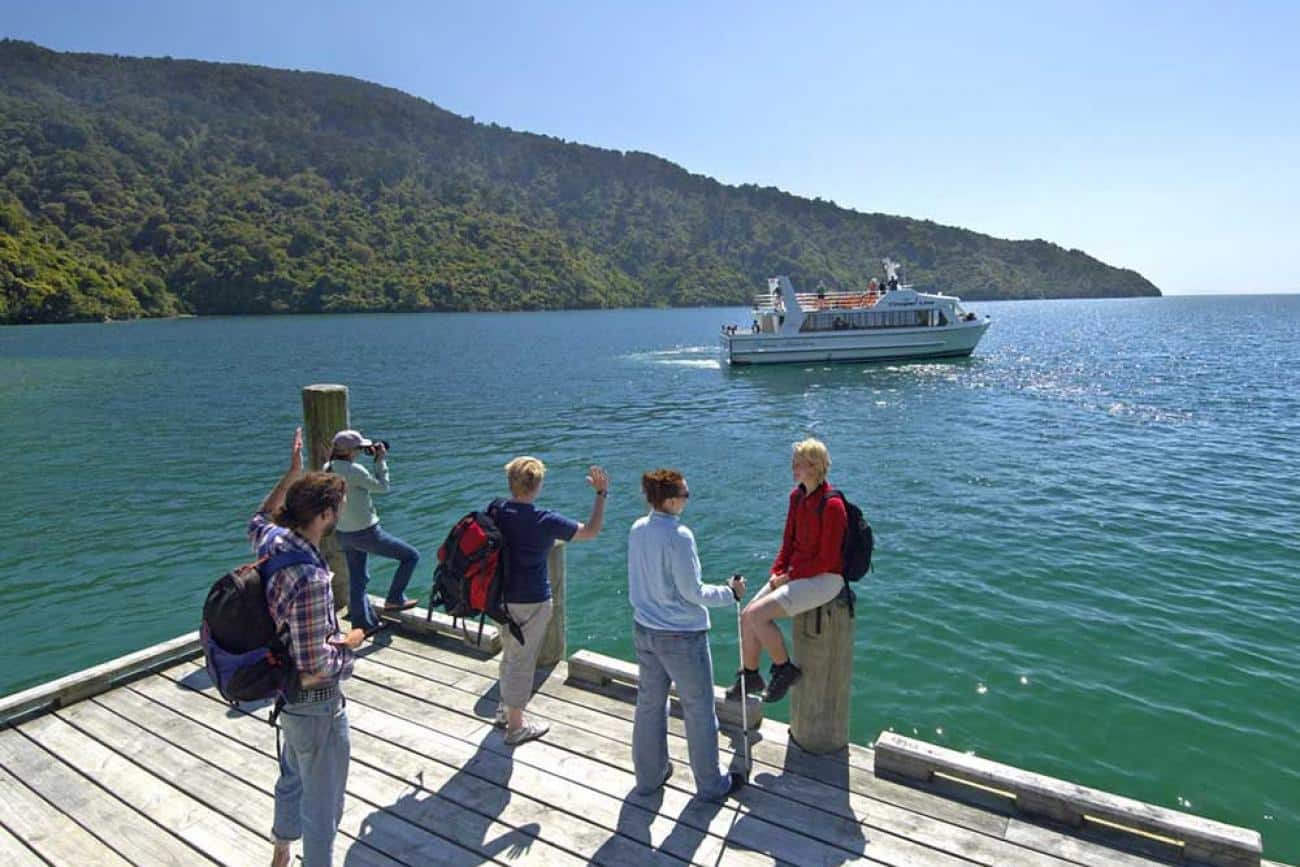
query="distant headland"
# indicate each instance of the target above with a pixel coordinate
(156, 187)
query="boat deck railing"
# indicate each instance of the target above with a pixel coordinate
(837, 300)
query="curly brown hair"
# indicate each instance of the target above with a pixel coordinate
(662, 484)
(309, 497)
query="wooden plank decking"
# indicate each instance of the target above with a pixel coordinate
(158, 770)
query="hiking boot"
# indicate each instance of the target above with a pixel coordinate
(783, 677)
(738, 782)
(531, 730)
(753, 683)
(401, 605)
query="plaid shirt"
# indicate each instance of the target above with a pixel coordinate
(301, 596)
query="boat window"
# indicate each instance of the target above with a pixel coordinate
(832, 320)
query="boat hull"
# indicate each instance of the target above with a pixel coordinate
(892, 344)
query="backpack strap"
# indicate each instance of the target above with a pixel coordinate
(269, 567)
(279, 562)
(821, 504)
(503, 566)
(272, 563)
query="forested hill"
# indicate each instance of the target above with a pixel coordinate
(133, 187)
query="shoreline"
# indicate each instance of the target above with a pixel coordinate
(269, 313)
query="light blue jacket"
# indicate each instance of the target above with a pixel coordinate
(663, 577)
(358, 510)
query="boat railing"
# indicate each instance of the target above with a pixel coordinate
(837, 300)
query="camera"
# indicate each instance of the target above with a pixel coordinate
(370, 449)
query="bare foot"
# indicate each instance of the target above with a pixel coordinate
(280, 857)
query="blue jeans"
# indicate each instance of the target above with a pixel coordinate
(313, 777)
(682, 658)
(356, 548)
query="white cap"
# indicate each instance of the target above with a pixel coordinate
(350, 439)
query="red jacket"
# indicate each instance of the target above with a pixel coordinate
(812, 542)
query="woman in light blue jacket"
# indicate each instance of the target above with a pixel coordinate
(670, 606)
(359, 533)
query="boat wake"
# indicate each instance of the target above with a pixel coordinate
(700, 357)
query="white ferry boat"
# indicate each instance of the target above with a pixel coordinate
(892, 322)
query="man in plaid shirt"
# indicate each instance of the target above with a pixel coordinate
(295, 516)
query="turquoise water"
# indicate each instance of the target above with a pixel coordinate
(1087, 532)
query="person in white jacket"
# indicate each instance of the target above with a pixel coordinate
(670, 609)
(359, 533)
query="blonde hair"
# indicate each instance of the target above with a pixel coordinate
(525, 474)
(814, 452)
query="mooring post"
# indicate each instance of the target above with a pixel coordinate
(553, 647)
(820, 701)
(325, 413)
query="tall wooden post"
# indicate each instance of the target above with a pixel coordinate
(325, 413)
(820, 701)
(553, 646)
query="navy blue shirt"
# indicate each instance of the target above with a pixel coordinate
(530, 533)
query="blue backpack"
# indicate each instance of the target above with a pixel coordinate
(247, 658)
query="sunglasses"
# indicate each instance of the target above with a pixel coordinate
(684, 495)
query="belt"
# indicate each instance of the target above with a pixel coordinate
(314, 694)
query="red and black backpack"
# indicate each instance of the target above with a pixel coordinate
(470, 577)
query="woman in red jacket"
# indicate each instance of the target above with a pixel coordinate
(807, 573)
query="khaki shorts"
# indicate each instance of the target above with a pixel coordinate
(804, 594)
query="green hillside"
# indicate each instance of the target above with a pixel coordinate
(133, 187)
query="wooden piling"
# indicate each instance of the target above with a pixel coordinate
(325, 413)
(553, 644)
(820, 702)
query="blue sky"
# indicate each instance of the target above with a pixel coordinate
(1163, 137)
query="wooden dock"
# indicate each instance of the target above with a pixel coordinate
(156, 769)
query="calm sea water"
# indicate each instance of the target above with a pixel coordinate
(1087, 533)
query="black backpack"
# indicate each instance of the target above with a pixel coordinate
(470, 577)
(859, 540)
(246, 656)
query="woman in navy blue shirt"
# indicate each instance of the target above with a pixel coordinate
(529, 534)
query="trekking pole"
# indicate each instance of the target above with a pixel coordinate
(744, 698)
